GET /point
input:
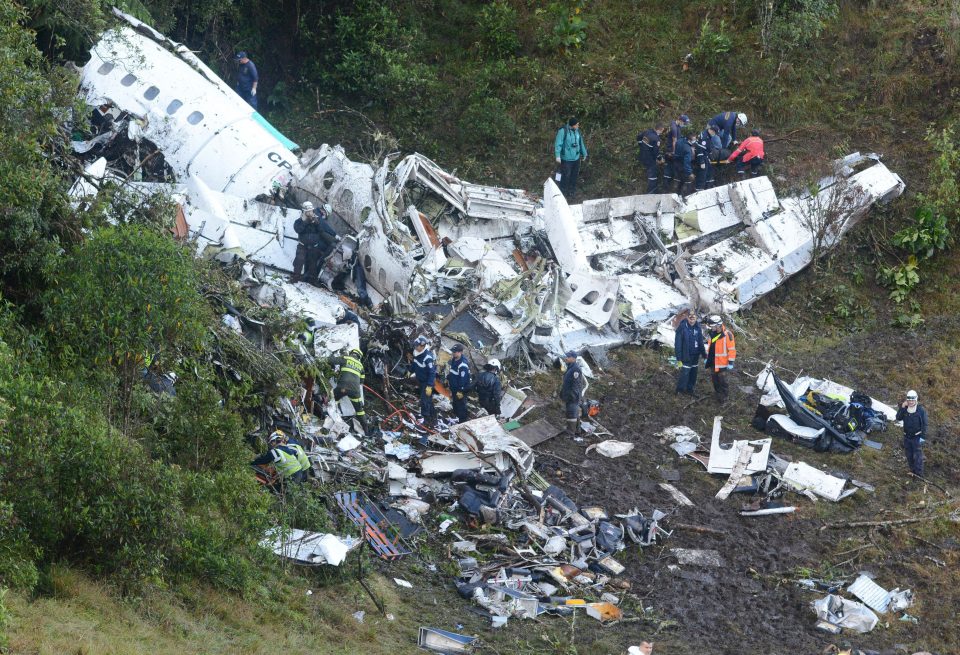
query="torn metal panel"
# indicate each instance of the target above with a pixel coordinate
(801, 477)
(198, 123)
(441, 641)
(486, 436)
(309, 548)
(593, 298)
(650, 299)
(562, 230)
(723, 458)
(446, 463)
(537, 432)
(873, 595)
(743, 456)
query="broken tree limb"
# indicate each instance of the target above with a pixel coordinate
(699, 529)
(879, 524)
(932, 484)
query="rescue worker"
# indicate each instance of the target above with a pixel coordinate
(488, 387)
(670, 149)
(289, 460)
(569, 150)
(247, 78)
(458, 381)
(571, 392)
(343, 316)
(708, 147)
(727, 123)
(649, 155)
(350, 382)
(721, 355)
(914, 418)
(316, 239)
(683, 161)
(423, 366)
(688, 347)
(750, 152)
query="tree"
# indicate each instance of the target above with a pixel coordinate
(123, 297)
(829, 211)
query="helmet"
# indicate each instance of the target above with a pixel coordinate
(306, 206)
(457, 348)
(277, 436)
(495, 363)
(912, 395)
(714, 319)
(339, 312)
(742, 118)
(356, 353)
(420, 341)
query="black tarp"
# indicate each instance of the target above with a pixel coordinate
(836, 442)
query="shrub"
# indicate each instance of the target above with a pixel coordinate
(498, 29)
(122, 296)
(712, 45)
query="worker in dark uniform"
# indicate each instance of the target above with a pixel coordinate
(316, 239)
(424, 367)
(350, 383)
(458, 381)
(914, 418)
(247, 79)
(671, 140)
(683, 161)
(571, 392)
(489, 389)
(649, 155)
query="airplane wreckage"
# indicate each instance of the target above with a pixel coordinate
(511, 271)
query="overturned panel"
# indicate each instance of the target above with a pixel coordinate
(592, 298)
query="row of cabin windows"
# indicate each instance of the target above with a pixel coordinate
(151, 93)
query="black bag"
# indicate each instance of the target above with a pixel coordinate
(861, 398)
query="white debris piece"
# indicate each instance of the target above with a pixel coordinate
(802, 477)
(611, 448)
(845, 613)
(724, 457)
(311, 548)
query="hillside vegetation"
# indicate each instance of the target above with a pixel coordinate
(129, 521)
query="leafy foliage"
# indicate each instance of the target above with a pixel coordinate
(123, 296)
(797, 23)
(712, 45)
(498, 29)
(566, 27)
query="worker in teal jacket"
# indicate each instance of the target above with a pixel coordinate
(569, 150)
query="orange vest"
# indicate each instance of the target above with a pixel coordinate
(725, 350)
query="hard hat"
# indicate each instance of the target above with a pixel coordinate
(420, 341)
(306, 206)
(356, 353)
(714, 319)
(276, 435)
(495, 363)
(339, 312)
(742, 118)
(912, 395)
(457, 348)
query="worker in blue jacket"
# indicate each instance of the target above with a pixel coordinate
(458, 381)
(709, 141)
(569, 150)
(727, 124)
(688, 348)
(683, 161)
(423, 366)
(489, 388)
(648, 144)
(914, 418)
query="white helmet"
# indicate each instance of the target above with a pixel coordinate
(307, 206)
(912, 395)
(495, 363)
(339, 312)
(742, 118)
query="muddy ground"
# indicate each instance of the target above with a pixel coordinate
(752, 603)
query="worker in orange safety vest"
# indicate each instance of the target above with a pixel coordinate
(721, 355)
(749, 153)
